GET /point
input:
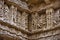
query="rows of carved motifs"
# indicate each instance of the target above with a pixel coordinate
(45, 20)
(38, 21)
(11, 15)
(21, 19)
(48, 20)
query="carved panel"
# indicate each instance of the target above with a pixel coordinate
(24, 20)
(38, 21)
(56, 19)
(18, 19)
(49, 17)
(31, 25)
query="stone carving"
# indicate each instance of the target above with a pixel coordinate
(42, 21)
(49, 17)
(20, 3)
(6, 12)
(56, 17)
(18, 18)
(24, 20)
(1, 8)
(36, 23)
(12, 13)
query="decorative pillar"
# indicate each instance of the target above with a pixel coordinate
(49, 17)
(18, 19)
(11, 9)
(35, 18)
(13, 13)
(24, 20)
(1, 8)
(6, 12)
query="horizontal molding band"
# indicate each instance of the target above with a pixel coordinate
(17, 36)
(6, 23)
(46, 30)
(26, 31)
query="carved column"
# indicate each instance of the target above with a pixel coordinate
(24, 20)
(6, 12)
(35, 18)
(42, 20)
(29, 21)
(49, 17)
(57, 17)
(13, 13)
(18, 19)
(1, 8)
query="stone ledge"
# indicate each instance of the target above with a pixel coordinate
(47, 29)
(26, 31)
(7, 23)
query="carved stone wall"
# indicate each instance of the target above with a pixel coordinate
(19, 22)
